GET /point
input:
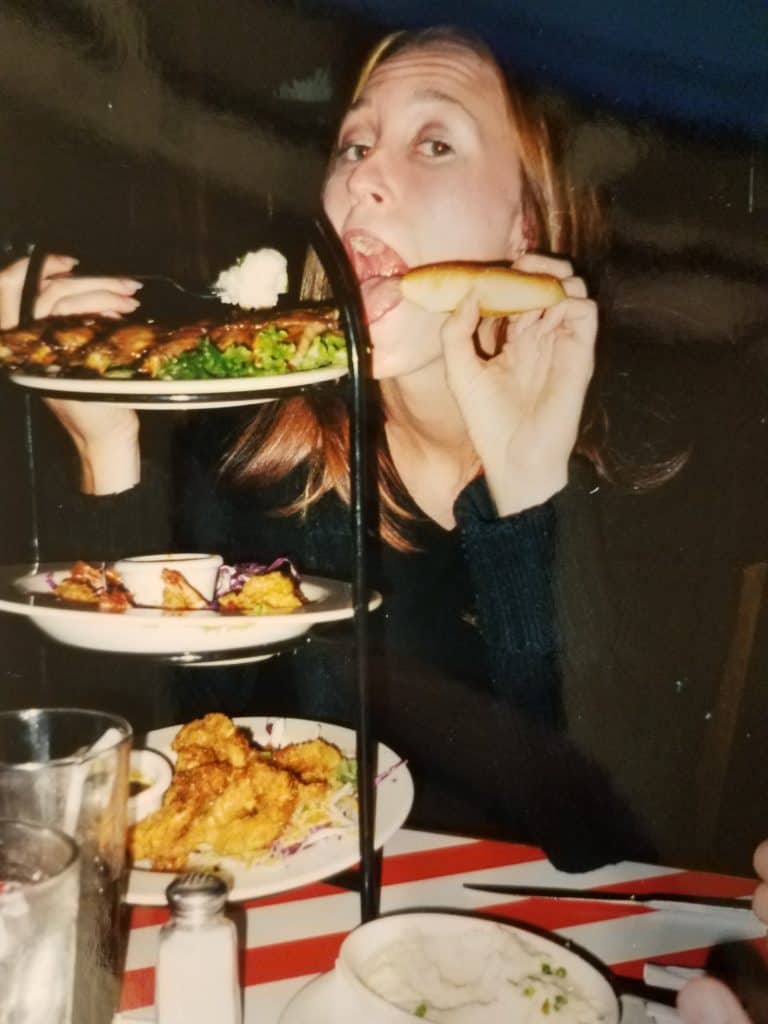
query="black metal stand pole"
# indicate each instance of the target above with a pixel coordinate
(345, 289)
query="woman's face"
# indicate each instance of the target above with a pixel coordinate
(426, 169)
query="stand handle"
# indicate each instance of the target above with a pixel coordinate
(345, 289)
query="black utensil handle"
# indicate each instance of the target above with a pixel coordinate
(31, 285)
(638, 988)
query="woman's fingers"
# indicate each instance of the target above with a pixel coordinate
(64, 295)
(100, 302)
(574, 287)
(456, 333)
(533, 263)
(55, 265)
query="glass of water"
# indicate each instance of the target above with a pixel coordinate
(39, 890)
(68, 769)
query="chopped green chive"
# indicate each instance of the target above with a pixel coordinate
(561, 972)
(546, 969)
(421, 1010)
(528, 991)
(545, 1006)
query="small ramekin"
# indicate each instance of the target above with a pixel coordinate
(142, 574)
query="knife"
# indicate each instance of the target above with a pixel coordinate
(652, 900)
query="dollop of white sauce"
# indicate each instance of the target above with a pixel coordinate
(255, 281)
(482, 976)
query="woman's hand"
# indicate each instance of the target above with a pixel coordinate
(523, 406)
(61, 294)
(105, 435)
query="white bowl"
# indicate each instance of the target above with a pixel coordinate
(462, 963)
(150, 776)
(142, 574)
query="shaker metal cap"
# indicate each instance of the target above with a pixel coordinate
(197, 894)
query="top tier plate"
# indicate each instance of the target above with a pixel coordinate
(179, 394)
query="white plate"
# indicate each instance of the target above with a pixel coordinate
(180, 394)
(153, 631)
(394, 796)
(333, 996)
(313, 1003)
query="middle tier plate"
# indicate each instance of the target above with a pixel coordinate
(154, 631)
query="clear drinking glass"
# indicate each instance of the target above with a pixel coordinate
(39, 888)
(68, 768)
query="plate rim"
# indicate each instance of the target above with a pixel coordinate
(156, 390)
(154, 894)
(336, 591)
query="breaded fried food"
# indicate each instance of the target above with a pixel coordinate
(233, 811)
(250, 814)
(163, 837)
(179, 594)
(233, 799)
(211, 738)
(265, 594)
(312, 761)
(88, 585)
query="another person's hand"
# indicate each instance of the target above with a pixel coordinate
(760, 895)
(523, 406)
(709, 1001)
(61, 293)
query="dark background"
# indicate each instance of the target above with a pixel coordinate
(171, 137)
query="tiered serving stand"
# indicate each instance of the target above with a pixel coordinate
(344, 287)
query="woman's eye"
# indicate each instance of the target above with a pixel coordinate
(434, 148)
(353, 152)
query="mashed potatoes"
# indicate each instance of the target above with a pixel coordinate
(483, 974)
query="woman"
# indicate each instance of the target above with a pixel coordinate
(438, 158)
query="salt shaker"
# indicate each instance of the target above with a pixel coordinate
(196, 979)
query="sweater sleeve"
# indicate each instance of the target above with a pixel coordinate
(510, 560)
(81, 526)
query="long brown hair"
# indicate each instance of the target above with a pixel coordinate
(561, 216)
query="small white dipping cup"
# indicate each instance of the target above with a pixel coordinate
(153, 773)
(143, 574)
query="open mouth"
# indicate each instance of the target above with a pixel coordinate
(378, 269)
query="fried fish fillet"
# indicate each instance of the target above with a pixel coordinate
(313, 760)
(229, 797)
(212, 738)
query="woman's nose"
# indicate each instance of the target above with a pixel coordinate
(370, 180)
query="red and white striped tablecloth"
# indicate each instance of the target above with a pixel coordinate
(294, 936)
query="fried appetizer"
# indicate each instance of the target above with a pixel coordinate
(212, 738)
(270, 593)
(179, 594)
(101, 587)
(313, 760)
(228, 798)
